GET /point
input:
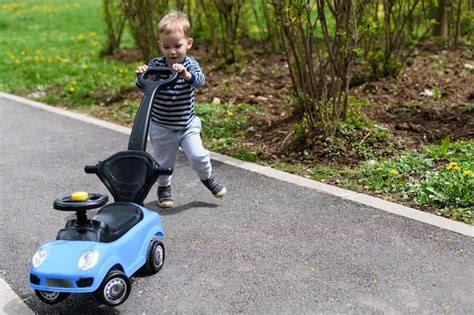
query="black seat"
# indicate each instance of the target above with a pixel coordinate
(119, 217)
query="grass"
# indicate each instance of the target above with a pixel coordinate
(53, 48)
(50, 51)
(438, 176)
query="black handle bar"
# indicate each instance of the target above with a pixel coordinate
(139, 133)
(91, 169)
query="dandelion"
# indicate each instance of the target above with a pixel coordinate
(230, 114)
(72, 89)
(453, 165)
(466, 172)
(393, 171)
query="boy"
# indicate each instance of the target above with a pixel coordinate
(173, 123)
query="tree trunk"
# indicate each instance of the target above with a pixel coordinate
(442, 23)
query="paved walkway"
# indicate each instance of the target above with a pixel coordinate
(276, 243)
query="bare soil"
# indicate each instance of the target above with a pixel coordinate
(433, 97)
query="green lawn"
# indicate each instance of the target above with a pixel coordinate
(53, 47)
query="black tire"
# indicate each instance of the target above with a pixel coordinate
(114, 289)
(51, 297)
(155, 257)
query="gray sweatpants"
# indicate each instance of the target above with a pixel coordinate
(166, 142)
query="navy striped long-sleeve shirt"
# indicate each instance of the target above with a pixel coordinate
(173, 106)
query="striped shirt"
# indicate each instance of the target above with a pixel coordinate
(173, 106)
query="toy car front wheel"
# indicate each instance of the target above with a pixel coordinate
(115, 288)
(51, 297)
(155, 256)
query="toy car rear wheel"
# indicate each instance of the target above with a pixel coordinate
(155, 257)
(115, 288)
(51, 297)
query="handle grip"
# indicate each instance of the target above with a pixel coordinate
(161, 83)
(163, 171)
(91, 169)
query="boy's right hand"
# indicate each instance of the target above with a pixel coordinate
(141, 69)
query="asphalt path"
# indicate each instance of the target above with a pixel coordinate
(268, 247)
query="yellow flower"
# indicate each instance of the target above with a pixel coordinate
(393, 171)
(230, 114)
(72, 89)
(452, 165)
(466, 172)
(379, 169)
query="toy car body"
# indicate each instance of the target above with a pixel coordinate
(119, 247)
(60, 270)
(100, 254)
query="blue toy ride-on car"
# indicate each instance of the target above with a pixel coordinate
(100, 254)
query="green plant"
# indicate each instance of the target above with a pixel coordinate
(251, 156)
(440, 178)
(451, 186)
(224, 125)
(439, 151)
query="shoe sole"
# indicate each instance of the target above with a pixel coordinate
(166, 204)
(221, 193)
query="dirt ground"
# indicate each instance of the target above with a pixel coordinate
(408, 105)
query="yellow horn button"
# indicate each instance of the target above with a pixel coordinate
(80, 196)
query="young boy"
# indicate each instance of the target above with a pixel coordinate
(173, 122)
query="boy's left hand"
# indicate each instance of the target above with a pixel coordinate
(182, 72)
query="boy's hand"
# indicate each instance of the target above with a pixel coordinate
(182, 72)
(141, 69)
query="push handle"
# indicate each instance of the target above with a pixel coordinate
(139, 134)
(150, 85)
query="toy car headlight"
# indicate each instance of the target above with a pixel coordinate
(39, 257)
(88, 260)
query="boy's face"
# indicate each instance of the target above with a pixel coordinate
(174, 47)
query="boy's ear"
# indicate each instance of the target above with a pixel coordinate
(190, 42)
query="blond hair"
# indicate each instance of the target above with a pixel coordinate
(175, 21)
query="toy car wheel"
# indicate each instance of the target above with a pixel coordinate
(115, 288)
(51, 297)
(155, 256)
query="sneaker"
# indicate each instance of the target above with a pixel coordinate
(217, 189)
(164, 197)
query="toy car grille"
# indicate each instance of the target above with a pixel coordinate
(34, 279)
(58, 283)
(84, 282)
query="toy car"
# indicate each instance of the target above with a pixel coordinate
(100, 254)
